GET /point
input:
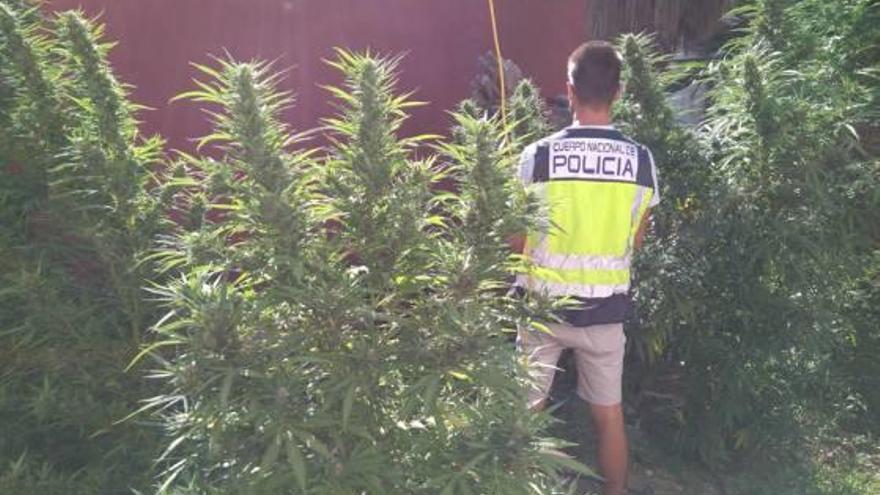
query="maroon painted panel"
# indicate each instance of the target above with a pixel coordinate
(442, 38)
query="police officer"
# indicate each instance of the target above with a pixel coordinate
(598, 186)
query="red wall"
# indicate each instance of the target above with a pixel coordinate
(442, 39)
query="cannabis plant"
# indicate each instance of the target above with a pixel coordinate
(75, 193)
(528, 113)
(740, 304)
(109, 168)
(345, 335)
(33, 133)
(795, 115)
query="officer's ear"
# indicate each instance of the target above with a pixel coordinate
(572, 96)
(617, 94)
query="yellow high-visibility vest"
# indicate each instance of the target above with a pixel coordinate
(596, 185)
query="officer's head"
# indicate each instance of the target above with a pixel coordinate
(594, 76)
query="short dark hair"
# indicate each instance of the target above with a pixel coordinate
(594, 71)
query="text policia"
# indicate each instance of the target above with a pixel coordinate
(598, 159)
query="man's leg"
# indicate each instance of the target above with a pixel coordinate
(542, 352)
(613, 452)
(599, 353)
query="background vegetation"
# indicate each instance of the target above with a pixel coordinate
(331, 319)
(749, 352)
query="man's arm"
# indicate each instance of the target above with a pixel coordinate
(517, 243)
(655, 199)
(643, 228)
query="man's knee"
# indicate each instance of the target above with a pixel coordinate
(607, 415)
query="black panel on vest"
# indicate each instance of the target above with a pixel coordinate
(541, 171)
(645, 175)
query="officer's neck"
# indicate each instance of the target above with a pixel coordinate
(589, 116)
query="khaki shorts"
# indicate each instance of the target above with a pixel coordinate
(598, 352)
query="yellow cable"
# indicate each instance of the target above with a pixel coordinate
(500, 63)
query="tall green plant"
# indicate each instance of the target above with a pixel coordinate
(738, 291)
(689, 188)
(528, 113)
(33, 135)
(71, 312)
(109, 170)
(346, 339)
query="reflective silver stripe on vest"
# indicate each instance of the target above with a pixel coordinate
(636, 208)
(542, 256)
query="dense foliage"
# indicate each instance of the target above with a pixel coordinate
(77, 212)
(333, 318)
(340, 330)
(766, 241)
